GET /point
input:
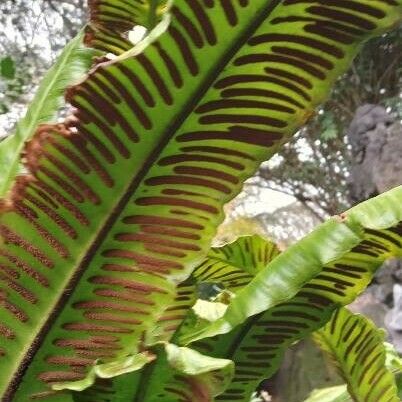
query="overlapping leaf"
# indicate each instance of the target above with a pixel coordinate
(230, 268)
(331, 266)
(328, 268)
(121, 202)
(356, 347)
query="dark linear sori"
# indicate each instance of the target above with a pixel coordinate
(121, 200)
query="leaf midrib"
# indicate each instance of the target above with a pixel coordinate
(124, 200)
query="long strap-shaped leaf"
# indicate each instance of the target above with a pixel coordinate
(327, 269)
(123, 201)
(357, 348)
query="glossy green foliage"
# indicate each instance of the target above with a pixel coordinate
(120, 202)
(356, 347)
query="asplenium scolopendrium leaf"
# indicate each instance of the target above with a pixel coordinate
(123, 199)
(356, 347)
(303, 286)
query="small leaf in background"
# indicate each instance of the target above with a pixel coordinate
(7, 68)
(329, 128)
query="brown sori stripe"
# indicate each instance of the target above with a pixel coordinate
(171, 66)
(54, 216)
(184, 49)
(200, 171)
(180, 158)
(73, 157)
(147, 238)
(217, 150)
(26, 212)
(382, 235)
(300, 40)
(87, 117)
(156, 78)
(302, 55)
(275, 58)
(332, 34)
(76, 213)
(161, 220)
(342, 16)
(236, 133)
(132, 103)
(20, 290)
(188, 180)
(98, 168)
(247, 78)
(86, 136)
(106, 110)
(102, 85)
(82, 186)
(241, 104)
(204, 21)
(137, 83)
(189, 27)
(230, 12)
(242, 119)
(236, 92)
(176, 202)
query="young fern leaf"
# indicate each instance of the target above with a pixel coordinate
(356, 346)
(122, 200)
(74, 61)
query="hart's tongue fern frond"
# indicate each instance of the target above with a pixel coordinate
(121, 201)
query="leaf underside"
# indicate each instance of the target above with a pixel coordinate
(232, 267)
(111, 19)
(356, 347)
(122, 200)
(327, 269)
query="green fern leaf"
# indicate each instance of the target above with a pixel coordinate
(71, 65)
(229, 267)
(355, 345)
(121, 202)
